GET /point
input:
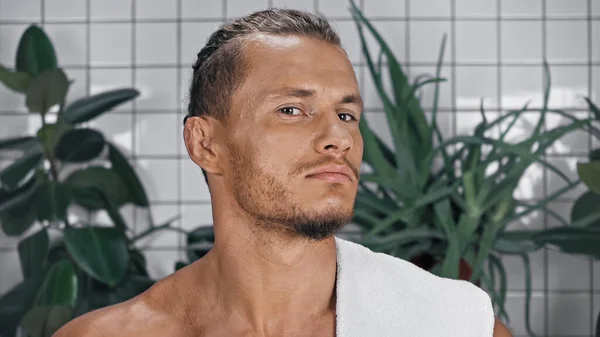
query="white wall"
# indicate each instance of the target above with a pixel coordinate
(494, 51)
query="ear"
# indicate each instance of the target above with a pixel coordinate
(199, 134)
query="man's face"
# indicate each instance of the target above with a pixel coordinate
(296, 114)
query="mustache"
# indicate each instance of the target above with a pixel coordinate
(325, 161)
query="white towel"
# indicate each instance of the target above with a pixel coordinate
(379, 295)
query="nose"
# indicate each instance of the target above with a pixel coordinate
(334, 139)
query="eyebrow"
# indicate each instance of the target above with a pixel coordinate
(305, 93)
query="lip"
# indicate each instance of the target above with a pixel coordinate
(332, 173)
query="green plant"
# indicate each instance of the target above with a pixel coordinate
(85, 265)
(453, 220)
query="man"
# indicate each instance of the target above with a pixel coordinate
(273, 123)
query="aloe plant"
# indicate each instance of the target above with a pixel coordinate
(453, 220)
(64, 164)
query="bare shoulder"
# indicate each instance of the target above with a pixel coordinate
(500, 330)
(147, 314)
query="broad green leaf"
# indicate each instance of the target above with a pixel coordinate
(91, 107)
(444, 218)
(50, 134)
(15, 80)
(589, 173)
(199, 242)
(15, 303)
(138, 262)
(516, 242)
(79, 145)
(52, 201)
(587, 204)
(18, 143)
(14, 174)
(45, 320)
(406, 236)
(121, 166)
(35, 52)
(60, 285)
(100, 251)
(594, 155)
(32, 253)
(46, 90)
(572, 240)
(180, 265)
(17, 212)
(100, 178)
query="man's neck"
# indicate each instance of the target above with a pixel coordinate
(270, 283)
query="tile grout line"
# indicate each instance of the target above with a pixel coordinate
(589, 93)
(545, 183)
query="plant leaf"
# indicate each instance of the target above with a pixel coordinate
(15, 80)
(102, 179)
(17, 143)
(46, 90)
(593, 108)
(12, 175)
(121, 166)
(85, 109)
(589, 173)
(572, 240)
(45, 320)
(79, 145)
(587, 204)
(199, 242)
(35, 52)
(100, 251)
(32, 253)
(15, 303)
(17, 213)
(52, 201)
(60, 285)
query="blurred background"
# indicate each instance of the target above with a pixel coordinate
(494, 54)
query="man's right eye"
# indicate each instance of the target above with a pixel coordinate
(290, 110)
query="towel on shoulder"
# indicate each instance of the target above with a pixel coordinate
(379, 295)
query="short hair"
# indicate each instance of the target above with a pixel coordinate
(221, 66)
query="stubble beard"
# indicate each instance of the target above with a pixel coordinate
(271, 204)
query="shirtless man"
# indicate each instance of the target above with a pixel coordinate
(273, 123)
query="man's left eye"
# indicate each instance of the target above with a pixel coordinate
(289, 110)
(346, 117)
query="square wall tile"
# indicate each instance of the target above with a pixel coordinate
(572, 8)
(596, 275)
(69, 42)
(519, 8)
(116, 128)
(595, 8)
(19, 125)
(12, 101)
(385, 8)
(568, 166)
(521, 41)
(237, 8)
(156, 43)
(566, 41)
(110, 44)
(111, 9)
(61, 10)
(467, 121)
(102, 80)
(165, 238)
(595, 92)
(78, 88)
(201, 9)
(479, 8)
(595, 37)
(10, 35)
(304, 5)
(569, 314)
(430, 8)
(393, 33)
(161, 261)
(476, 41)
(29, 10)
(372, 99)
(194, 36)
(155, 134)
(575, 142)
(196, 215)
(193, 185)
(515, 271)
(158, 88)
(185, 77)
(531, 185)
(445, 100)
(445, 122)
(520, 85)
(350, 42)
(569, 85)
(426, 41)
(568, 272)
(12, 273)
(159, 177)
(156, 9)
(475, 83)
(515, 307)
(335, 8)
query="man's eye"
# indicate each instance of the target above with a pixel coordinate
(346, 117)
(289, 110)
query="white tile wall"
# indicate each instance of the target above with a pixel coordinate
(147, 55)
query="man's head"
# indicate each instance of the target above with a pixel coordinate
(274, 100)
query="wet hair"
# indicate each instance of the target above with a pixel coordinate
(221, 66)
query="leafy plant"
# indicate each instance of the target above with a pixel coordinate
(453, 220)
(66, 164)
